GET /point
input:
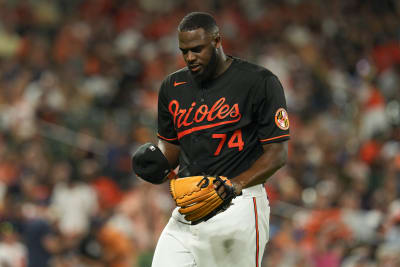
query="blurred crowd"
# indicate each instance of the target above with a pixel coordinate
(78, 94)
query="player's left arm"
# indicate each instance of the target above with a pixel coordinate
(273, 133)
(272, 159)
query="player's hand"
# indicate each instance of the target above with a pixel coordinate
(221, 190)
(150, 164)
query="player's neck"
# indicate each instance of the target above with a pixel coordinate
(223, 64)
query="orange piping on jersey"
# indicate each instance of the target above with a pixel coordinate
(202, 127)
(172, 175)
(276, 137)
(168, 139)
(257, 234)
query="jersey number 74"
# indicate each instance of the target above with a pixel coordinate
(236, 140)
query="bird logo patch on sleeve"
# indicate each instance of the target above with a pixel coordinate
(282, 119)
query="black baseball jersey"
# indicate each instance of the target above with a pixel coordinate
(221, 126)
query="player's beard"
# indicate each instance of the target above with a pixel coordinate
(209, 69)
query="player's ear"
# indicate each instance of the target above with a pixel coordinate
(217, 40)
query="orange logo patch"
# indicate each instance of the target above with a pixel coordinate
(282, 119)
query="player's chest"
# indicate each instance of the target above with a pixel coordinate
(204, 109)
(208, 108)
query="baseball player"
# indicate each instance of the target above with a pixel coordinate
(224, 122)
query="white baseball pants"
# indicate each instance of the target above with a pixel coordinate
(235, 237)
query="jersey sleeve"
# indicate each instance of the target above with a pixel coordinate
(271, 112)
(166, 129)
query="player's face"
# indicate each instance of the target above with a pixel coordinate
(199, 52)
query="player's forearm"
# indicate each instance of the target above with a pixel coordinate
(273, 158)
(170, 151)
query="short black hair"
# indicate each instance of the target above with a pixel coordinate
(196, 20)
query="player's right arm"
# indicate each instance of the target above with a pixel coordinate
(155, 163)
(168, 140)
(170, 151)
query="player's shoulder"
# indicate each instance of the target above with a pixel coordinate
(179, 76)
(251, 69)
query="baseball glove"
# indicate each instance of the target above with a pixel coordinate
(198, 199)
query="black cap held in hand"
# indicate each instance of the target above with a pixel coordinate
(150, 164)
